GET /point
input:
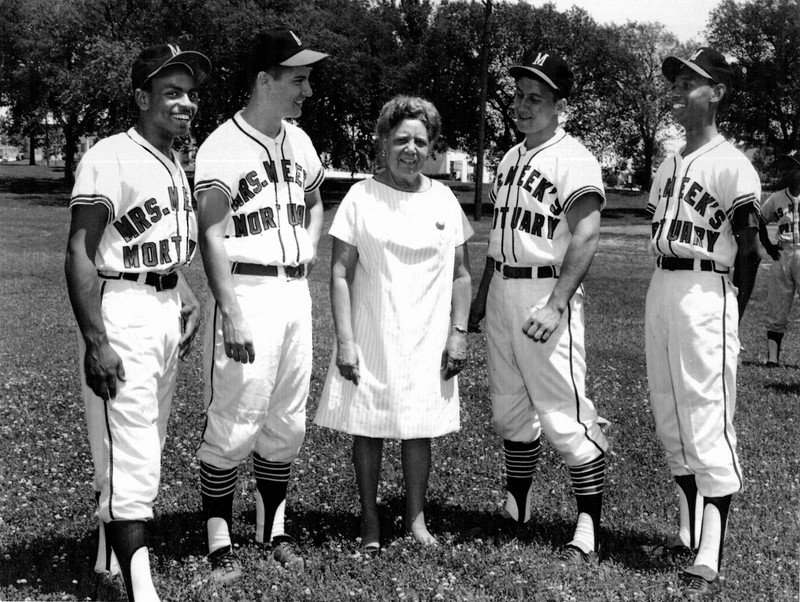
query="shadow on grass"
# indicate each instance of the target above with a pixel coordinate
(66, 565)
(783, 387)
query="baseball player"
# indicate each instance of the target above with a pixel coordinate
(784, 277)
(547, 199)
(260, 214)
(704, 202)
(132, 229)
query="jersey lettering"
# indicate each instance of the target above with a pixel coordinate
(686, 232)
(151, 254)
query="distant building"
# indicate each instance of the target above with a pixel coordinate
(455, 165)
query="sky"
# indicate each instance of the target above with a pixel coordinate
(684, 18)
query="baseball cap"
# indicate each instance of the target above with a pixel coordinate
(548, 67)
(705, 61)
(792, 155)
(282, 47)
(155, 58)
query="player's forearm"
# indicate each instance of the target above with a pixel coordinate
(486, 278)
(577, 261)
(217, 266)
(745, 267)
(314, 228)
(83, 286)
(188, 298)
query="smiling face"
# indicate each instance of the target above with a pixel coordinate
(406, 147)
(169, 104)
(536, 110)
(694, 99)
(289, 89)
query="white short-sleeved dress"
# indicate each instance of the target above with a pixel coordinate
(400, 301)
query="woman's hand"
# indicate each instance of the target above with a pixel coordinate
(454, 356)
(347, 361)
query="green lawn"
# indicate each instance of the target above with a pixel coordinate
(46, 501)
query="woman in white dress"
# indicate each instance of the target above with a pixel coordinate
(400, 295)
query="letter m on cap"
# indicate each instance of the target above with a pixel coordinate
(540, 59)
(695, 55)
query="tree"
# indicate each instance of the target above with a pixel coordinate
(639, 107)
(764, 37)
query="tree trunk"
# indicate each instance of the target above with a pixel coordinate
(31, 150)
(478, 209)
(648, 144)
(70, 145)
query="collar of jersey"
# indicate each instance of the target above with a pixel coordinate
(718, 139)
(255, 133)
(141, 141)
(560, 133)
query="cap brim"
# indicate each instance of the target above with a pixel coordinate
(304, 57)
(518, 71)
(672, 66)
(198, 63)
(787, 158)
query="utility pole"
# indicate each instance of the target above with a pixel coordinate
(487, 14)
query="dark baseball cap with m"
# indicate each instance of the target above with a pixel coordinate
(154, 59)
(548, 67)
(279, 48)
(705, 61)
(790, 159)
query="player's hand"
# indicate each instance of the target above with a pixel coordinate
(191, 314)
(541, 323)
(347, 362)
(454, 356)
(103, 369)
(477, 312)
(238, 340)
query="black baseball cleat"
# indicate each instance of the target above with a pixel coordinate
(700, 583)
(286, 552)
(225, 568)
(770, 364)
(573, 556)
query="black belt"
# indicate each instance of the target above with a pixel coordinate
(510, 271)
(161, 282)
(256, 269)
(686, 263)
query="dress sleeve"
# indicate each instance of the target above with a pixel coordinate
(344, 226)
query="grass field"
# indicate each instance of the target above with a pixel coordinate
(46, 502)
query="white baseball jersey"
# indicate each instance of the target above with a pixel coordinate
(781, 208)
(693, 199)
(265, 181)
(151, 223)
(531, 193)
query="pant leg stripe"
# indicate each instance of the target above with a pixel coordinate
(110, 463)
(724, 380)
(572, 378)
(211, 375)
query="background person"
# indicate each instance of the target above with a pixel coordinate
(257, 188)
(784, 275)
(400, 291)
(132, 229)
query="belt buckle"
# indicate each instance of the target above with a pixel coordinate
(293, 271)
